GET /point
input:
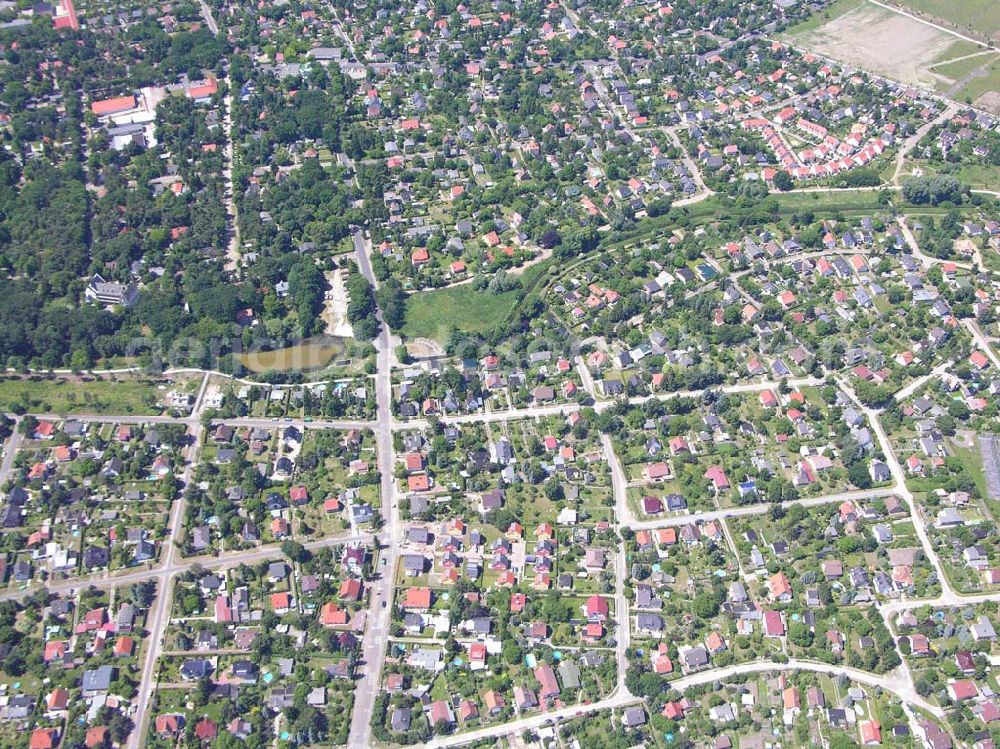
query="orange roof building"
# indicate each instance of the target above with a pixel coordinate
(205, 90)
(417, 599)
(117, 105)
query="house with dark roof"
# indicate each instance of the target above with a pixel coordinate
(196, 668)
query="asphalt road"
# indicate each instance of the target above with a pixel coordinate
(375, 642)
(161, 611)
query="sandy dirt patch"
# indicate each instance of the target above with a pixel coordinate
(881, 41)
(989, 102)
(964, 247)
(424, 348)
(335, 309)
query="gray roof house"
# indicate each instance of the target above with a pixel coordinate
(97, 680)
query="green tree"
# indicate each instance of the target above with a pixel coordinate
(783, 181)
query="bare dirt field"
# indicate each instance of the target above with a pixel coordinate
(424, 348)
(990, 101)
(335, 310)
(881, 41)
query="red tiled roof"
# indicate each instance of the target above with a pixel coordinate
(113, 106)
(206, 89)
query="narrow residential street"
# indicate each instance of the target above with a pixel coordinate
(899, 484)
(388, 539)
(160, 614)
(375, 642)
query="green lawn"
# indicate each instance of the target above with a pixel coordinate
(121, 396)
(959, 49)
(984, 176)
(961, 68)
(861, 200)
(854, 203)
(433, 314)
(987, 83)
(972, 462)
(815, 21)
(980, 16)
(846, 202)
(977, 176)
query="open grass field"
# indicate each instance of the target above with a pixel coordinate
(960, 48)
(974, 79)
(983, 89)
(958, 69)
(828, 14)
(433, 314)
(876, 39)
(972, 462)
(305, 356)
(854, 203)
(976, 17)
(977, 176)
(122, 395)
